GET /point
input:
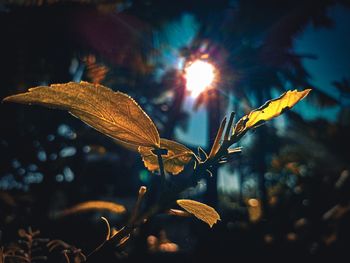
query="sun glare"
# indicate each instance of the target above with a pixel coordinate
(199, 76)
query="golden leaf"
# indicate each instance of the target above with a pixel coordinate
(94, 206)
(200, 210)
(174, 161)
(112, 113)
(270, 109)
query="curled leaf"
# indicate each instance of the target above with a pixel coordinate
(94, 206)
(270, 109)
(174, 161)
(202, 154)
(108, 234)
(229, 126)
(201, 211)
(112, 113)
(216, 144)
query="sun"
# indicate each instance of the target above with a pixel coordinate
(199, 76)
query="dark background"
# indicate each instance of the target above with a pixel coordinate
(298, 171)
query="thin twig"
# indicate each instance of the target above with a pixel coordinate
(161, 168)
(165, 204)
(142, 192)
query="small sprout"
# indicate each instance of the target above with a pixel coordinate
(203, 156)
(27, 249)
(142, 192)
(68, 251)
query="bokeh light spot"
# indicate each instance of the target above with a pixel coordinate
(199, 76)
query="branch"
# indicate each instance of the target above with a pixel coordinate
(159, 153)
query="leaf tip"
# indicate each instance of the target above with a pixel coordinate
(202, 211)
(7, 99)
(18, 98)
(307, 91)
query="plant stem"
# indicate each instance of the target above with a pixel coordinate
(163, 204)
(135, 212)
(161, 169)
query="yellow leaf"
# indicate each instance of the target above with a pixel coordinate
(270, 109)
(174, 161)
(200, 210)
(94, 206)
(112, 113)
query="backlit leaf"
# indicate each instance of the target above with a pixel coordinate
(112, 113)
(94, 206)
(200, 210)
(174, 161)
(270, 109)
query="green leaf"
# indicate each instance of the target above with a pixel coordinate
(201, 211)
(112, 113)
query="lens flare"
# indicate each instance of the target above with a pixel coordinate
(199, 76)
